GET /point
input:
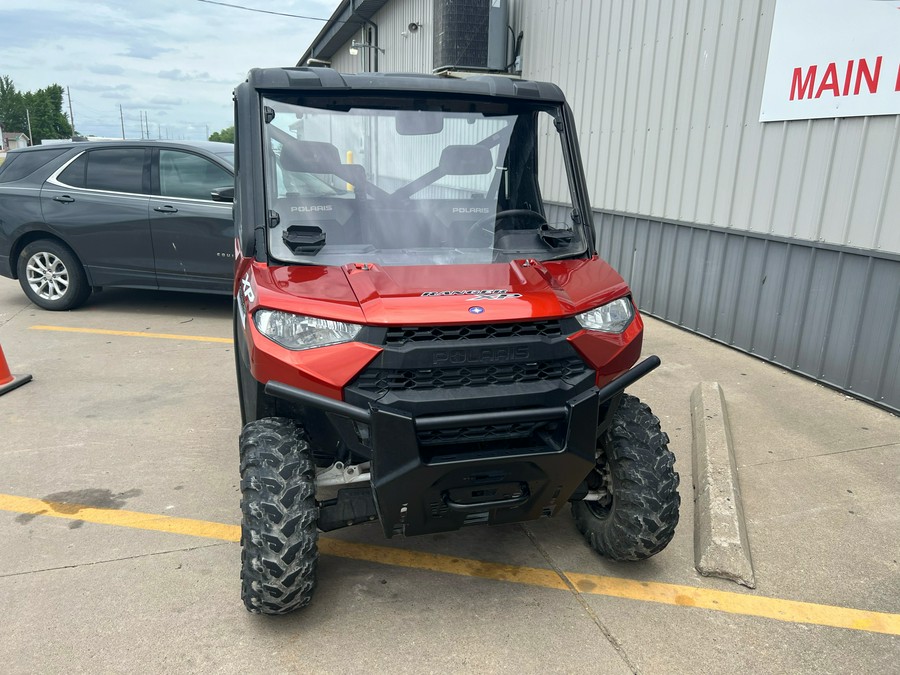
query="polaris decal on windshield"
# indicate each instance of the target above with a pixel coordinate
(311, 209)
(492, 294)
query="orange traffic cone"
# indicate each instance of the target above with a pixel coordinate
(8, 381)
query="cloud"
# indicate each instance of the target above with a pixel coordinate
(106, 69)
(178, 75)
(179, 56)
(182, 76)
(102, 88)
(145, 51)
(116, 94)
(166, 101)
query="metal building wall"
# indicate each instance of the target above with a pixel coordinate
(668, 95)
(410, 53)
(779, 239)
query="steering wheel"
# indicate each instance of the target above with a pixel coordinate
(501, 215)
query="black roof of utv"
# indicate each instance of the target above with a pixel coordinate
(327, 79)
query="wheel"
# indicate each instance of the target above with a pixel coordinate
(637, 485)
(502, 215)
(51, 276)
(279, 538)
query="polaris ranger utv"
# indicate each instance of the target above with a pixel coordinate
(422, 320)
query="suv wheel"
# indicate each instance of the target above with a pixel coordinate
(51, 276)
(635, 477)
(278, 529)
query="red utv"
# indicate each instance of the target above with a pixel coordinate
(422, 321)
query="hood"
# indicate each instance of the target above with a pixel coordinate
(449, 294)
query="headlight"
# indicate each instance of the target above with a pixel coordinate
(295, 331)
(613, 317)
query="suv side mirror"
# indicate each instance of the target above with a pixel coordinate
(223, 194)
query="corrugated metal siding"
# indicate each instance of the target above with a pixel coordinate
(667, 95)
(411, 53)
(737, 219)
(343, 62)
(831, 314)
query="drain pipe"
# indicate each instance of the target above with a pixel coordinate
(374, 32)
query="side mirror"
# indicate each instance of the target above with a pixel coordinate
(223, 194)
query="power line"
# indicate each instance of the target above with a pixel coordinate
(265, 11)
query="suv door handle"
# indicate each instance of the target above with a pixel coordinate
(166, 209)
(65, 199)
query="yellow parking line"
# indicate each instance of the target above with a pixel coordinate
(133, 333)
(647, 591)
(133, 519)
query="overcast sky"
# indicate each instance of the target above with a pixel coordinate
(178, 60)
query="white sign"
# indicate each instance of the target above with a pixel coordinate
(833, 58)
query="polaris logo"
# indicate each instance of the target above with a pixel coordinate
(311, 209)
(457, 357)
(472, 209)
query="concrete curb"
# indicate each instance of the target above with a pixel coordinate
(721, 547)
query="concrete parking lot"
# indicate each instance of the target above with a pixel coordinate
(119, 514)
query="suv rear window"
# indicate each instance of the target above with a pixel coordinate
(18, 165)
(110, 169)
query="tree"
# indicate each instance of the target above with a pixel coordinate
(47, 118)
(44, 107)
(12, 107)
(224, 136)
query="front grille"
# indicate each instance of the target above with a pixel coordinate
(377, 380)
(400, 335)
(488, 433)
(435, 370)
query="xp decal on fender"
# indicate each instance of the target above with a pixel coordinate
(373, 385)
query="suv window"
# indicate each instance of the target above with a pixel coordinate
(183, 174)
(21, 164)
(74, 173)
(113, 169)
(116, 170)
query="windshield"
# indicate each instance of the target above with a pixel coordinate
(453, 182)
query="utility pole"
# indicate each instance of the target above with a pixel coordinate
(158, 131)
(28, 117)
(122, 119)
(71, 114)
(207, 132)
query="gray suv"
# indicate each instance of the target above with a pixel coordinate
(141, 214)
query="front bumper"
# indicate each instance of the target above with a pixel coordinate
(422, 488)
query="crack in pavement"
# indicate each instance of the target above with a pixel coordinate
(821, 454)
(610, 638)
(112, 560)
(15, 314)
